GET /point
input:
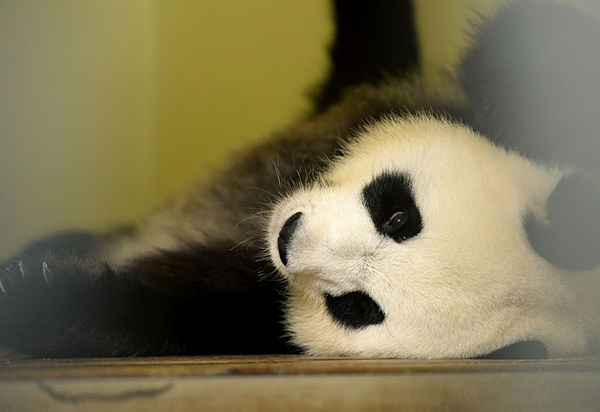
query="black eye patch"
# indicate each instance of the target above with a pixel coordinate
(354, 310)
(391, 204)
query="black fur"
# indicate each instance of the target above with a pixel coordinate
(387, 196)
(374, 39)
(354, 310)
(197, 300)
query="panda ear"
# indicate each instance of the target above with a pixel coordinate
(569, 234)
(533, 79)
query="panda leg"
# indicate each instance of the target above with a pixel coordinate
(195, 301)
(374, 39)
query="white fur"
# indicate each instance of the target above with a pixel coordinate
(468, 284)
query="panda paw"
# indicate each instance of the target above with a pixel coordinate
(42, 297)
(35, 283)
(45, 265)
(33, 280)
(20, 276)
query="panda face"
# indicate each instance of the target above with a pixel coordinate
(412, 245)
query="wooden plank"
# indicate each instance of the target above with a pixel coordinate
(251, 365)
(299, 383)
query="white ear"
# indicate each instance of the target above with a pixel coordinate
(534, 184)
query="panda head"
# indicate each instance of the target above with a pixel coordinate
(412, 245)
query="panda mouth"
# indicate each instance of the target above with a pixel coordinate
(354, 310)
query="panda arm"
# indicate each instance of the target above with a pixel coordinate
(194, 301)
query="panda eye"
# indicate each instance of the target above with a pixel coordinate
(392, 207)
(396, 221)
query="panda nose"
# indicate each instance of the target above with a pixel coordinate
(285, 235)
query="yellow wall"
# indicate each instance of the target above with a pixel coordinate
(230, 72)
(108, 106)
(75, 101)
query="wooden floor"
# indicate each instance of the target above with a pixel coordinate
(289, 383)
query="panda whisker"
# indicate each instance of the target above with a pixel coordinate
(261, 206)
(263, 255)
(263, 190)
(254, 209)
(277, 173)
(298, 169)
(391, 334)
(302, 163)
(253, 216)
(245, 241)
(268, 275)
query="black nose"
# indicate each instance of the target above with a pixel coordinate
(285, 235)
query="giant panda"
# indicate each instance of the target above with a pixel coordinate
(409, 216)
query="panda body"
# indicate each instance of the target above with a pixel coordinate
(393, 222)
